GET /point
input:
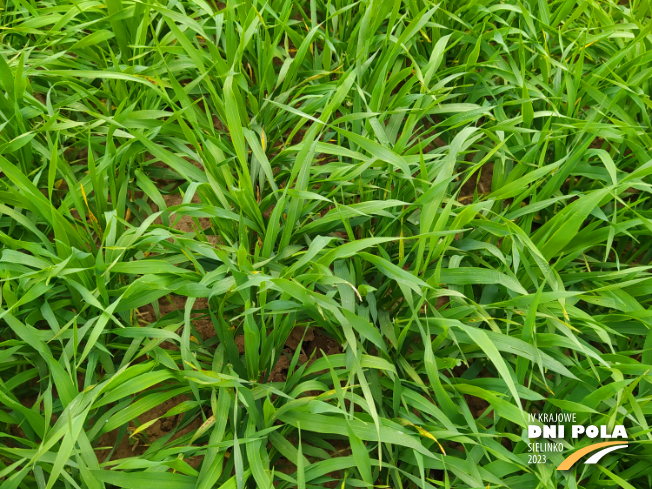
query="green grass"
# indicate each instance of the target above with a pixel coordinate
(456, 195)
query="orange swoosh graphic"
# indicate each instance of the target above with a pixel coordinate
(575, 456)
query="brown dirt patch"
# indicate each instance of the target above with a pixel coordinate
(204, 326)
(483, 184)
(137, 445)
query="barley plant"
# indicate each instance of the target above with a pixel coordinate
(322, 243)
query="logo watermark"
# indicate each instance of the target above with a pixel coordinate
(545, 429)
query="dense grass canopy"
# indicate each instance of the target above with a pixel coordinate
(322, 243)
